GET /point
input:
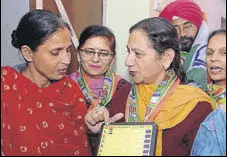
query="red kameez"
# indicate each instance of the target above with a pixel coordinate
(41, 121)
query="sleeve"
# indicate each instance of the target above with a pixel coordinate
(5, 97)
(206, 142)
(196, 117)
(119, 100)
(179, 139)
(5, 140)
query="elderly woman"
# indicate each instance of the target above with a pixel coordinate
(99, 84)
(211, 137)
(158, 96)
(42, 110)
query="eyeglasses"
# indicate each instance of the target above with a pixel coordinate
(186, 28)
(90, 53)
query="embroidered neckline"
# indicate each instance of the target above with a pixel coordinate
(160, 92)
(108, 88)
(217, 93)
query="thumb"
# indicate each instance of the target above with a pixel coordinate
(116, 117)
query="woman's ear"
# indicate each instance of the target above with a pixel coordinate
(27, 53)
(78, 56)
(168, 57)
(113, 61)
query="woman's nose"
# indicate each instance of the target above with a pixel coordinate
(96, 57)
(66, 58)
(130, 59)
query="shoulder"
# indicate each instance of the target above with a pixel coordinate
(74, 76)
(123, 84)
(215, 119)
(190, 89)
(71, 84)
(211, 137)
(70, 80)
(217, 114)
(201, 111)
(6, 70)
(193, 94)
(8, 73)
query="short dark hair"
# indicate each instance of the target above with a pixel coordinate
(217, 32)
(95, 31)
(162, 35)
(35, 27)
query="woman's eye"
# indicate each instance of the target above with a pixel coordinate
(209, 53)
(70, 50)
(223, 52)
(104, 54)
(139, 54)
(90, 52)
(55, 53)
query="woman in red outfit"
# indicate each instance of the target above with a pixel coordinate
(42, 110)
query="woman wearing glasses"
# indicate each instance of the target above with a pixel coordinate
(96, 55)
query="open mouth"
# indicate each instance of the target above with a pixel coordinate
(132, 73)
(62, 71)
(215, 70)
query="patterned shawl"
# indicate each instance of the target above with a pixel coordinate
(41, 121)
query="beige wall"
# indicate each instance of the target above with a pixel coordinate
(10, 16)
(119, 16)
(214, 10)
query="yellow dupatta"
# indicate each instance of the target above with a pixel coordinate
(145, 92)
(175, 108)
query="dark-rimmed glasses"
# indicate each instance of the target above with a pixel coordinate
(90, 53)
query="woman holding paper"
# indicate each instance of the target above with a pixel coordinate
(158, 95)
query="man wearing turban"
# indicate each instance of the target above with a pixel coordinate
(192, 29)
